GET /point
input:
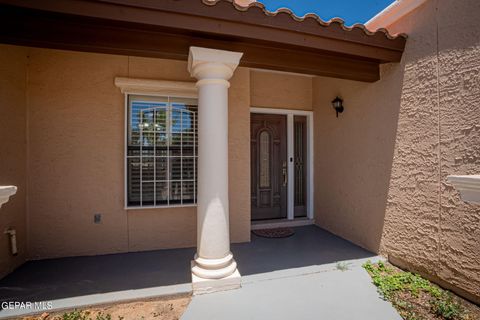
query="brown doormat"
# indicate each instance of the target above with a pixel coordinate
(274, 233)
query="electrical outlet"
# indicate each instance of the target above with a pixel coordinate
(97, 218)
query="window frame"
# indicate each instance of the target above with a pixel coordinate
(152, 88)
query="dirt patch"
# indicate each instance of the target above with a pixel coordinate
(416, 298)
(170, 308)
(411, 307)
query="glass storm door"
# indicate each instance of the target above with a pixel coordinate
(300, 165)
(269, 166)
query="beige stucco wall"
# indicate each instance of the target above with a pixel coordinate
(353, 157)
(381, 167)
(13, 71)
(280, 90)
(239, 155)
(75, 154)
(76, 132)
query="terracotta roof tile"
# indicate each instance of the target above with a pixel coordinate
(240, 6)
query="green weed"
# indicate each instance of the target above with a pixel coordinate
(84, 315)
(343, 266)
(447, 308)
(76, 315)
(390, 283)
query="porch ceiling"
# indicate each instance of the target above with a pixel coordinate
(167, 28)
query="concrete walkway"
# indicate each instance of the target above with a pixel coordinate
(300, 294)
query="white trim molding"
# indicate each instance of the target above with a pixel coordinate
(181, 89)
(310, 186)
(155, 88)
(468, 186)
(392, 14)
(5, 193)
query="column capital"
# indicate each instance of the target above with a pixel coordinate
(204, 63)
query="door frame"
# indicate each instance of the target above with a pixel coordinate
(290, 113)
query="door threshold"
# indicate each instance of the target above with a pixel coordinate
(279, 223)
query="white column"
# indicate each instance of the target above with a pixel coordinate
(213, 68)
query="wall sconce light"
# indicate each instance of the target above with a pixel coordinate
(337, 104)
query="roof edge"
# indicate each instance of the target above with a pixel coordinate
(391, 14)
(314, 16)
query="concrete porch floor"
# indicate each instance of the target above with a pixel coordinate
(123, 276)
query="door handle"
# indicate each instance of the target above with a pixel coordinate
(285, 175)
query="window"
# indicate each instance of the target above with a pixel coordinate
(264, 159)
(161, 151)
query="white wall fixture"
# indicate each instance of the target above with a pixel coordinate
(5, 193)
(214, 268)
(468, 186)
(12, 234)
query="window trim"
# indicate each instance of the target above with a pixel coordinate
(145, 87)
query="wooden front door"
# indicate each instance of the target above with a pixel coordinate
(268, 166)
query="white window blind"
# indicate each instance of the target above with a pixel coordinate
(161, 151)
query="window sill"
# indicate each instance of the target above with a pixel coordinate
(161, 207)
(6, 192)
(468, 186)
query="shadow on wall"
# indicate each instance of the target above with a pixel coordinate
(354, 154)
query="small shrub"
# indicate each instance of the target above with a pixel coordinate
(103, 316)
(84, 315)
(75, 315)
(447, 308)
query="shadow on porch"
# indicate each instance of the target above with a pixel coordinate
(69, 277)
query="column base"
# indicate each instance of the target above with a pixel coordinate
(214, 268)
(202, 285)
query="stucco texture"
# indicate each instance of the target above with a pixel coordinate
(239, 155)
(383, 164)
(280, 90)
(13, 71)
(76, 149)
